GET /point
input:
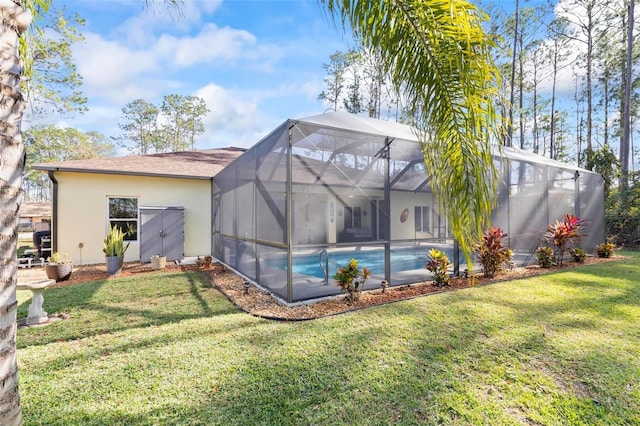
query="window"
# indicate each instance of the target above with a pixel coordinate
(352, 217)
(123, 213)
(422, 218)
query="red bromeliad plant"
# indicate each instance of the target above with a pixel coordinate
(492, 255)
(563, 232)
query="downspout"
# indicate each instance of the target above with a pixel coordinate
(54, 213)
(212, 227)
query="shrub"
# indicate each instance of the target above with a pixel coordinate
(492, 255)
(61, 259)
(578, 254)
(114, 242)
(438, 265)
(545, 257)
(351, 279)
(605, 249)
(563, 232)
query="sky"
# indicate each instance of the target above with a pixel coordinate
(255, 63)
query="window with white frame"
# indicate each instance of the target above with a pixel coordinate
(123, 213)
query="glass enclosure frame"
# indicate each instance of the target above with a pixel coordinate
(318, 191)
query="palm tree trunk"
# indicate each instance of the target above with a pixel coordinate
(14, 21)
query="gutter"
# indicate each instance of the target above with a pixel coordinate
(54, 213)
(119, 172)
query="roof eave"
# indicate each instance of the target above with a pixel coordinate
(118, 172)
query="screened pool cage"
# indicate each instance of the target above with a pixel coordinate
(319, 191)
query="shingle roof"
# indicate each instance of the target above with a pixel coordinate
(31, 209)
(200, 164)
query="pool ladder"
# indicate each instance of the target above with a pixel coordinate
(325, 268)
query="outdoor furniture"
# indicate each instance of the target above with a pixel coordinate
(36, 314)
(29, 259)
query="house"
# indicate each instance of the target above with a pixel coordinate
(309, 196)
(135, 192)
(35, 216)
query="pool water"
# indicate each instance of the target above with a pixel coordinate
(401, 260)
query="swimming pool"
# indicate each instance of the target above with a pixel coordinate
(404, 259)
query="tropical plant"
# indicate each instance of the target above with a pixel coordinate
(15, 22)
(564, 232)
(439, 59)
(578, 254)
(492, 255)
(438, 265)
(605, 249)
(351, 279)
(58, 258)
(545, 256)
(114, 242)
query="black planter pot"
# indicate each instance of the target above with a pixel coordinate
(58, 271)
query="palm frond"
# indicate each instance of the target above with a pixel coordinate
(438, 56)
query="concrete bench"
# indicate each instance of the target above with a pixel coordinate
(36, 314)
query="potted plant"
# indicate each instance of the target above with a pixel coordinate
(58, 267)
(158, 262)
(114, 249)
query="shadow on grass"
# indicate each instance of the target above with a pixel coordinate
(111, 306)
(57, 297)
(195, 287)
(490, 355)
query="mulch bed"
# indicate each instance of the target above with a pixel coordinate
(260, 303)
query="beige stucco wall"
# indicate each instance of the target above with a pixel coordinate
(82, 211)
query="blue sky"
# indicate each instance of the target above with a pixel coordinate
(256, 63)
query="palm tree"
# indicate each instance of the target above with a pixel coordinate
(16, 16)
(15, 20)
(438, 56)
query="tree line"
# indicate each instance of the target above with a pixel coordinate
(539, 48)
(146, 129)
(54, 86)
(172, 126)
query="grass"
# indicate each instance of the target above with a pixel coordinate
(166, 349)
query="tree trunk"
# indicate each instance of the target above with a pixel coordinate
(509, 139)
(553, 103)
(521, 88)
(14, 21)
(626, 118)
(589, 78)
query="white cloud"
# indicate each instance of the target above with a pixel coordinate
(142, 28)
(210, 45)
(230, 113)
(107, 65)
(112, 70)
(150, 55)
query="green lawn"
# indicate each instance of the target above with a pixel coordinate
(563, 348)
